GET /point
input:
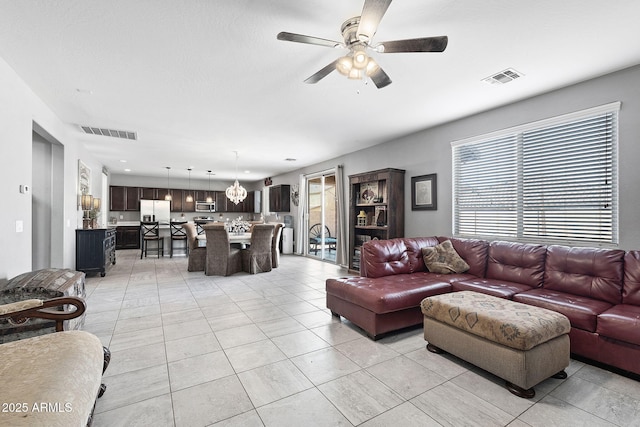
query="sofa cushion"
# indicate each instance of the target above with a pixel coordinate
(473, 251)
(380, 258)
(443, 259)
(414, 251)
(497, 288)
(582, 311)
(621, 322)
(631, 287)
(516, 262)
(588, 272)
(387, 294)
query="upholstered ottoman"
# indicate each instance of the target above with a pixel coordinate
(41, 284)
(521, 344)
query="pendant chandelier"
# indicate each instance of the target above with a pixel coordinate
(236, 193)
(189, 198)
(168, 196)
(209, 198)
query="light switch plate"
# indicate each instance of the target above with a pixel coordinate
(19, 226)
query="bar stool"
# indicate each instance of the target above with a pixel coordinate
(150, 232)
(178, 234)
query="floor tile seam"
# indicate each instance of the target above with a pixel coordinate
(279, 399)
(189, 357)
(247, 343)
(129, 403)
(108, 375)
(604, 385)
(199, 384)
(338, 409)
(551, 394)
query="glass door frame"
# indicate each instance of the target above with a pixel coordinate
(322, 249)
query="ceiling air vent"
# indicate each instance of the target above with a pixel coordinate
(110, 132)
(503, 77)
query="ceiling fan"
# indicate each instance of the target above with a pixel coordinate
(357, 33)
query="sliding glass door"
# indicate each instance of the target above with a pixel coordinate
(322, 220)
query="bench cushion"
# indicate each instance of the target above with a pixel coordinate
(62, 371)
(505, 322)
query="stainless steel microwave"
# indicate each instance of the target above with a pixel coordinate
(205, 206)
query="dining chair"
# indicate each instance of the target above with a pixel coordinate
(275, 246)
(178, 234)
(197, 254)
(257, 258)
(150, 232)
(222, 259)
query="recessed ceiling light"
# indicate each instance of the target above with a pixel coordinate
(127, 170)
(247, 171)
(123, 161)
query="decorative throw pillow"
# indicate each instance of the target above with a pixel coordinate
(443, 259)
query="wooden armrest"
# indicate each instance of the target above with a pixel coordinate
(45, 310)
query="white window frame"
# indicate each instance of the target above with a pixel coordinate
(500, 197)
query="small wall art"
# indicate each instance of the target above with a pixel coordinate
(424, 195)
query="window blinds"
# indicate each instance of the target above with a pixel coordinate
(554, 180)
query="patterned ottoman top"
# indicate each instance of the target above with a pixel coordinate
(499, 320)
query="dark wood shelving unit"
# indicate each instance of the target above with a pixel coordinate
(378, 198)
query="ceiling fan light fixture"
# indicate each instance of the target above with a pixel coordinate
(344, 65)
(360, 59)
(355, 74)
(372, 67)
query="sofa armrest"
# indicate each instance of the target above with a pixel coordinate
(21, 311)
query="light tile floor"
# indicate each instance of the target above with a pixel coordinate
(262, 350)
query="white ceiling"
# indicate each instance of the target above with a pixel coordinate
(198, 79)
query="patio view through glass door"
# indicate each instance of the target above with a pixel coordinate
(322, 216)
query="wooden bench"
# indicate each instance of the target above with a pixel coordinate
(519, 343)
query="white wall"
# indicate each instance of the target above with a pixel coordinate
(429, 151)
(19, 109)
(420, 153)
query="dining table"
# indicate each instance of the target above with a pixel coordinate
(242, 238)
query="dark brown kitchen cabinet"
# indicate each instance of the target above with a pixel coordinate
(186, 205)
(149, 193)
(279, 198)
(162, 193)
(222, 203)
(117, 198)
(123, 198)
(133, 199)
(176, 200)
(128, 237)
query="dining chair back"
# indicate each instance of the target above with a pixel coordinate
(150, 232)
(197, 254)
(178, 235)
(222, 259)
(275, 246)
(258, 257)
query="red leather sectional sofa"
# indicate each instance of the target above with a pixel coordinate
(597, 289)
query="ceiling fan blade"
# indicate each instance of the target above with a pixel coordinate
(372, 13)
(322, 73)
(380, 78)
(300, 38)
(425, 44)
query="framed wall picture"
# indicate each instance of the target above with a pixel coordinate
(84, 180)
(424, 194)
